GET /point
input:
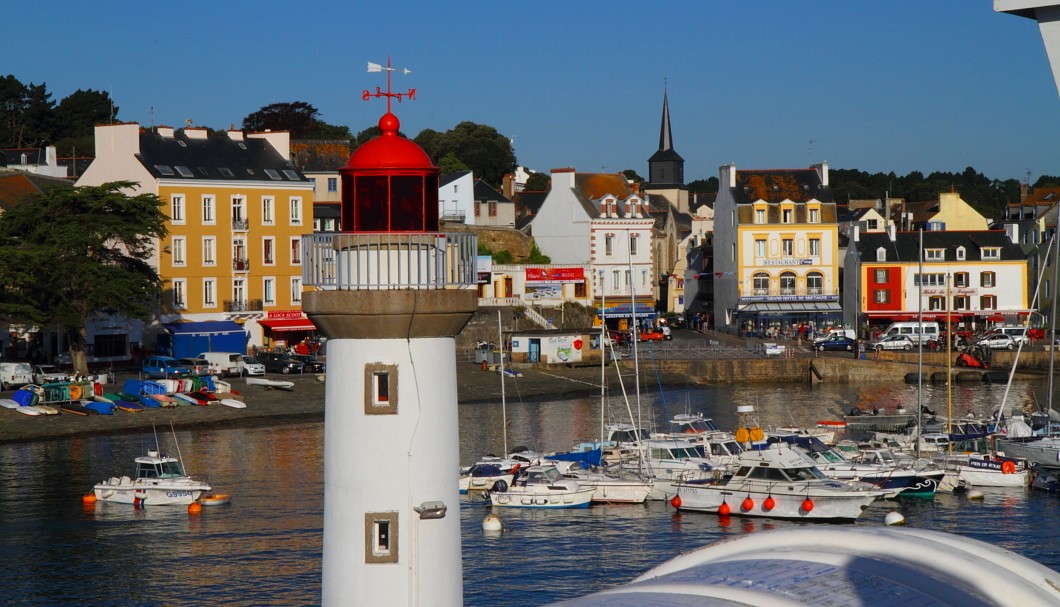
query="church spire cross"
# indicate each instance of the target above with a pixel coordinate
(375, 67)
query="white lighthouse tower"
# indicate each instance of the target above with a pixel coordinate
(391, 293)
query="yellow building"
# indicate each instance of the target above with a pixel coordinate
(237, 210)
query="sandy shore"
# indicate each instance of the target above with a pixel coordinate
(306, 401)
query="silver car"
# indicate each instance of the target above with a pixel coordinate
(252, 367)
(894, 342)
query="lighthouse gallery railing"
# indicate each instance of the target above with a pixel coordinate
(385, 260)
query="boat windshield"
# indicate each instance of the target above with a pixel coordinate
(830, 457)
(697, 426)
(544, 476)
(171, 469)
(804, 474)
(726, 448)
(676, 452)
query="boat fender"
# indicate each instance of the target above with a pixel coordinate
(75, 391)
(742, 435)
(748, 504)
(675, 501)
(500, 486)
(769, 504)
(724, 509)
(807, 505)
(1008, 467)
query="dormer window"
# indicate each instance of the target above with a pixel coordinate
(991, 252)
(786, 215)
(881, 254)
(934, 254)
(961, 253)
(760, 216)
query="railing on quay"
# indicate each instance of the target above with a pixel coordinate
(385, 260)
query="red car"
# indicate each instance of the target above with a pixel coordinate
(652, 335)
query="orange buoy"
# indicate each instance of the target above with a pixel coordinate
(194, 508)
(807, 505)
(89, 499)
(676, 501)
(769, 504)
(757, 434)
(1008, 467)
(742, 435)
(724, 509)
(748, 504)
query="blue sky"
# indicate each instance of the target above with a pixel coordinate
(896, 85)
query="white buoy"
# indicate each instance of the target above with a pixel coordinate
(975, 494)
(492, 522)
(894, 518)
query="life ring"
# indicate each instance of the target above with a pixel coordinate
(757, 434)
(75, 391)
(1008, 467)
(742, 435)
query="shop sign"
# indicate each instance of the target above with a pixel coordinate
(555, 275)
(285, 314)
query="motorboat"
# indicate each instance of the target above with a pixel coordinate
(778, 482)
(982, 470)
(608, 489)
(482, 476)
(160, 481)
(668, 461)
(878, 470)
(541, 487)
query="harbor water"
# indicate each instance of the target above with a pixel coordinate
(264, 547)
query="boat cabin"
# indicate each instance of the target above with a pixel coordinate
(540, 475)
(685, 423)
(626, 434)
(155, 466)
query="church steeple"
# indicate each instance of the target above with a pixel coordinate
(666, 167)
(666, 137)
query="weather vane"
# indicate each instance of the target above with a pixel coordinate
(375, 67)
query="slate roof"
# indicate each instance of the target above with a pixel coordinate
(527, 204)
(906, 245)
(1040, 197)
(448, 178)
(775, 185)
(484, 191)
(699, 199)
(217, 158)
(326, 210)
(591, 187)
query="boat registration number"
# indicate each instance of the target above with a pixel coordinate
(178, 493)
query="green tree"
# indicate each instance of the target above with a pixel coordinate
(633, 176)
(76, 117)
(538, 182)
(28, 114)
(451, 164)
(487, 153)
(536, 256)
(72, 253)
(298, 117)
(703, 185)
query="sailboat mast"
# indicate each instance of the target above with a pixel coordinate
(604, 342)
(504, 399)
(636, 329)
(1052, 329)
(920, 356)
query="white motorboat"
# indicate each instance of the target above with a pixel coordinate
(160, 481)
(608, 489)
(876, 469)
(542, 487)
(778, 482)
(667, 462)
(981, 470)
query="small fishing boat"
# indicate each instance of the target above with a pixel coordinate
(231, 402)
(271, 384)
(215, 499)
(778, 482)
(160, 481)
(8, 403)
(541, 487)
(100, 407)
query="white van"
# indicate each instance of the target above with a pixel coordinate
(226, 364)
(913, 331)
(15, 375)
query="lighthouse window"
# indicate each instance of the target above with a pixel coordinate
(381, 537)
(380, 389)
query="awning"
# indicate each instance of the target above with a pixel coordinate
(277, 325)
(212, 327)
(800, 307)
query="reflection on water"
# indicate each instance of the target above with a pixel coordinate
(265, 547)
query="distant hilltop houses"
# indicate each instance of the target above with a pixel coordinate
(771, 253)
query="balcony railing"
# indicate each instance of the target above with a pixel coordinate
(241, 224)
(241, 264)
(453, 215)
(389, 261)
(247, 305)
(790, 292)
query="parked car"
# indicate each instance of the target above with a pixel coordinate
(770, 349)
(281, 363)
(651, 335)
(894, 342)
(997, 341)
(620, 338)
(164, 366)
(835, 341)
(312, 363)
(198, 366)
(43, 374)
(251, 366)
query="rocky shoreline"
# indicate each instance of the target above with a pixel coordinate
(306, 402)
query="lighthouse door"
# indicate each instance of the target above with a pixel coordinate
(534, 355)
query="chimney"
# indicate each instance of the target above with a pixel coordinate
(165, 131)
(563, 178)
(727, 176)
(235, 135)
(891, 232)
(195, 132)
(1023, 193)
(857, 232)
